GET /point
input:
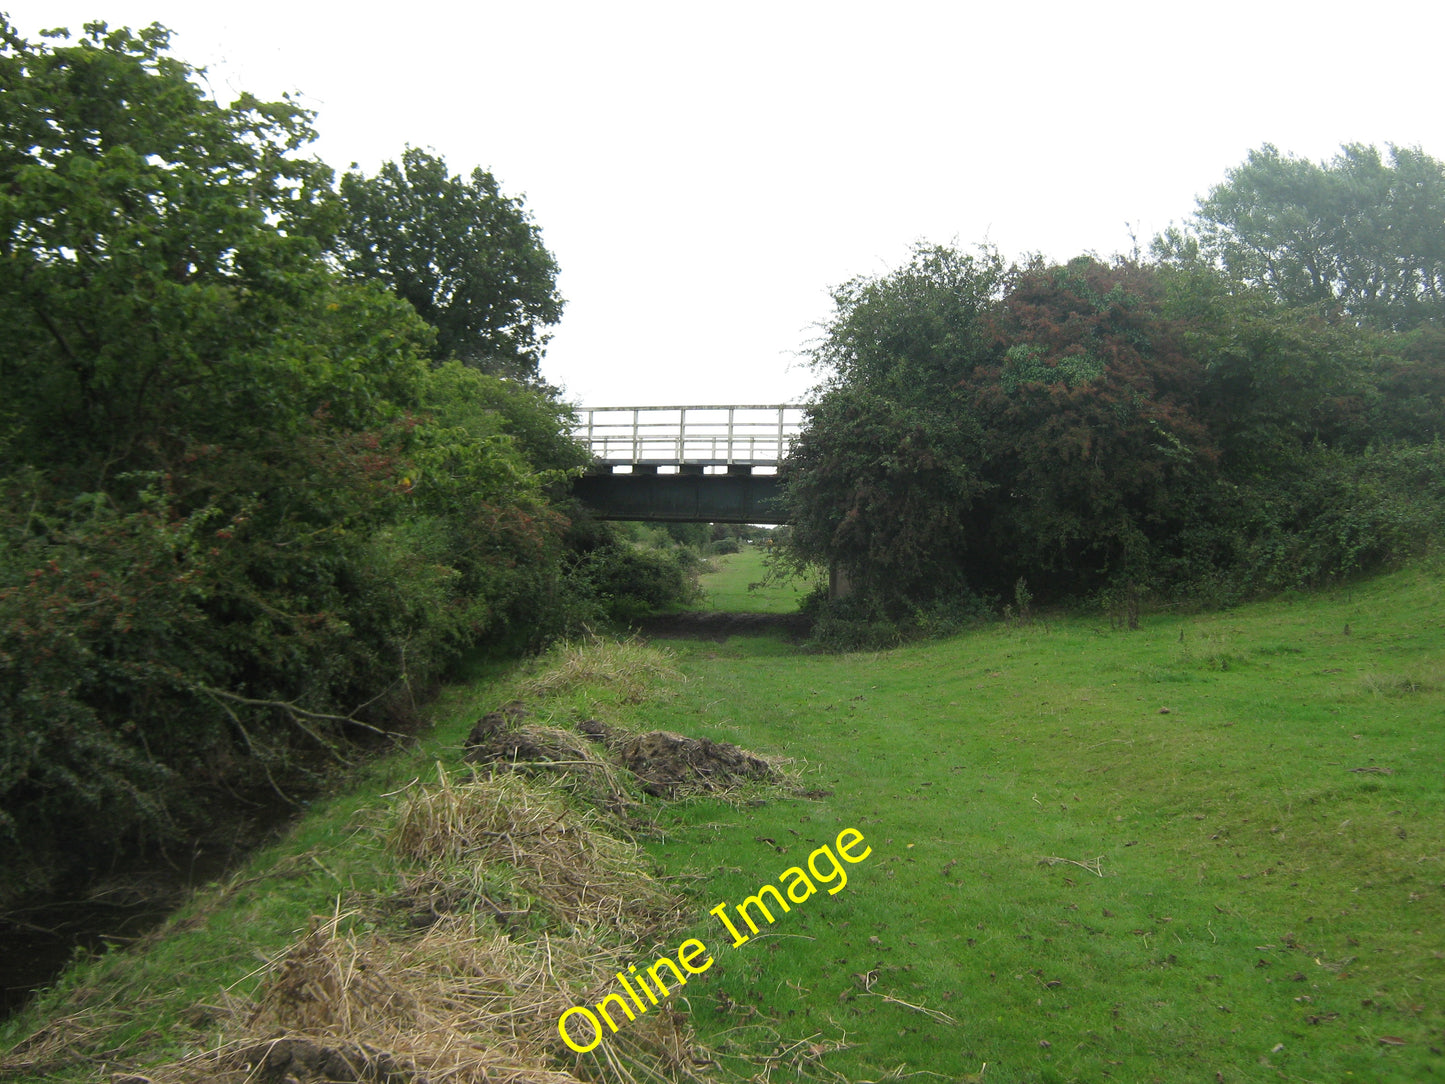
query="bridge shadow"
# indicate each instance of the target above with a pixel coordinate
(718, 625)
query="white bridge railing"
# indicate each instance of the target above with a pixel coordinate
(734, 436)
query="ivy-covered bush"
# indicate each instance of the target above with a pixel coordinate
(1101, 430)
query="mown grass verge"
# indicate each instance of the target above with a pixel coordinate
(1210, 849)
(738, 584)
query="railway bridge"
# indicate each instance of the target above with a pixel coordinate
(686, 464)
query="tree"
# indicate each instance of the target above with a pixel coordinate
(880, 483)
(1083, 429)
(1273, 377)
(241, 516)
(984, 424)
(1357, 237)
(469, 259)
(1093, 446)
(149, 236)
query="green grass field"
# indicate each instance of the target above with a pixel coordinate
(737, 585)
(1210, 849)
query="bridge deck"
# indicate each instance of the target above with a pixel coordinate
(708, 464)
(682, 498)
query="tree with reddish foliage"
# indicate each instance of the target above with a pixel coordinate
(1090, 428)
(1095, 451)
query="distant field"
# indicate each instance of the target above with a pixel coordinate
(727, 589)
(1209, 850)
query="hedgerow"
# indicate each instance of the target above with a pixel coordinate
(245, 522)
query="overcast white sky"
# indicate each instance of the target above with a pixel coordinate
(705, 172)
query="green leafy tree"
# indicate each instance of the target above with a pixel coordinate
(881, 482)
(468, 258)
(1410, 406)
(1361, 236)
(1273, 377)
(148, 237)
(242, 517)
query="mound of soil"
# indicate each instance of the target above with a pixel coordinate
(527, 745)
(596, 730)
(667, 762)
(502, 738)
(493, 725)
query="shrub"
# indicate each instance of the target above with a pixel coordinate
(1092, 429)
(629, 582)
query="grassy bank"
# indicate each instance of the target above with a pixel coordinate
(1209, 849)
(433, 920)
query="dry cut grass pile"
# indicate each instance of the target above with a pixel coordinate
(630, 669)
(522, 908)
(569, 872)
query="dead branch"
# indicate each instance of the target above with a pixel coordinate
(1095, 866)
(932, 1014)
(297, 713)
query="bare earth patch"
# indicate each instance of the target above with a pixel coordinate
(719, 626)
(666, 764)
